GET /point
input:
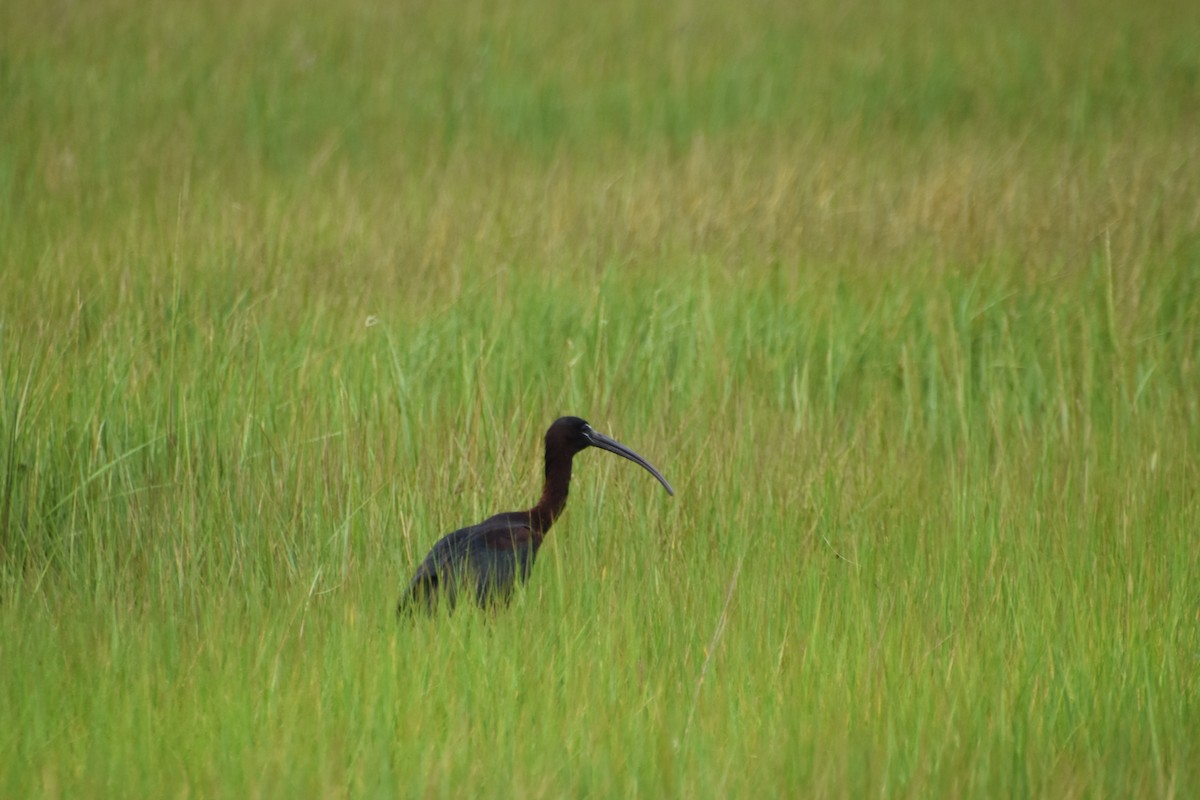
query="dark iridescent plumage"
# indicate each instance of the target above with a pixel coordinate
(487, 560)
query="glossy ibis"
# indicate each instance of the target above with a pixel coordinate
(488, 559)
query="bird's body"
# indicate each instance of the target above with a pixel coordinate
(483, 562)
(487, 560)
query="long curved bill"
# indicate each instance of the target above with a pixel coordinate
(613, 446)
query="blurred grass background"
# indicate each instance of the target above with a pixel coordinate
(901, 298)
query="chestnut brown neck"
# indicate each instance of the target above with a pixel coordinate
(554, 491)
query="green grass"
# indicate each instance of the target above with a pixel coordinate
(904, 300)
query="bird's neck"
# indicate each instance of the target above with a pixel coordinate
(554, 492)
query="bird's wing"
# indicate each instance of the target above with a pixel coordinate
(454, 551)
(425, 586)
(450, 548)
(501, 532)
(506, 535)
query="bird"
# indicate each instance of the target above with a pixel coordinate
(486, 561)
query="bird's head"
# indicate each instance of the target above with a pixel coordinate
(574, 435)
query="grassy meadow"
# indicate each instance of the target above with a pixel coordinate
(903, 298)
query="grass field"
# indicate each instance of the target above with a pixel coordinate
(903, 299)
